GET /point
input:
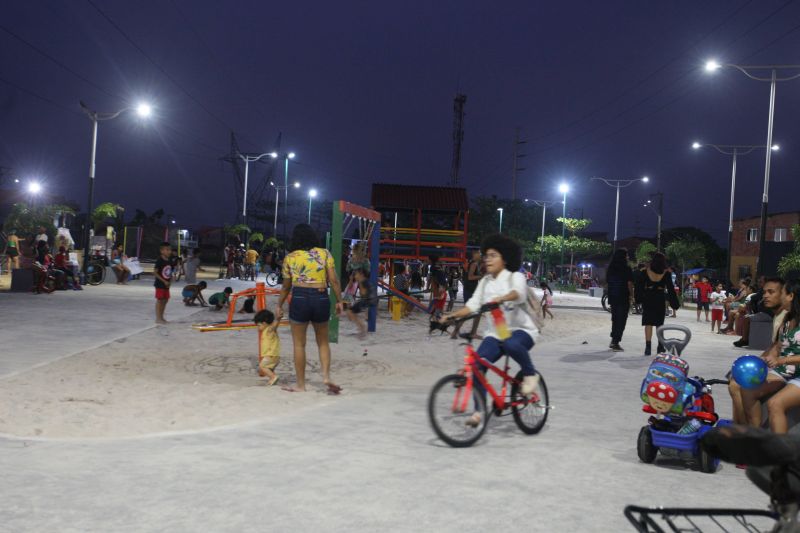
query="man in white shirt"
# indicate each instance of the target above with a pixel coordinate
(42, 236)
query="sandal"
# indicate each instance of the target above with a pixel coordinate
(333, 389)
(473, 421)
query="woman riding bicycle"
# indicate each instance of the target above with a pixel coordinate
(505, 285)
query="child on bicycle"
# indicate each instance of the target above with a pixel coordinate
(503, 284)
(269, 345)
(220, 299)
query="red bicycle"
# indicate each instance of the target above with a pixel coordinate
(454, 398)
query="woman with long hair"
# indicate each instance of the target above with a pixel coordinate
(308, 272)
(619, 279)
(653, 288)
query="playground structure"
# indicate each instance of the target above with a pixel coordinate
(353, 223)
(418, 222)
(259, 292)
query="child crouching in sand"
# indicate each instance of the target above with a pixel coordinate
(269, 345)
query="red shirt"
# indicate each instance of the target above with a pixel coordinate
(61, 260)
(703, 290)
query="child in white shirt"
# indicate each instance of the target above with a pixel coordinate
(717, 299)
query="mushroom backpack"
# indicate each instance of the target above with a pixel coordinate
(665, 388)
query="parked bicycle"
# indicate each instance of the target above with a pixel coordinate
(454, 398)
(274, 278)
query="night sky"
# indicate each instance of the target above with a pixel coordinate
(362, 92)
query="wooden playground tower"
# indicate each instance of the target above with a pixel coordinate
(433, 221)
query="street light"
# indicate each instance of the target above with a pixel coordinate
(619, 184)
(278, 189)
(34, 188)
(143, 110)
(247, 158)
(286, 157)
(564, 189)
(734, 150)
(543, 204)
(712, 66)
(660, 213)
(311, 194)
(501, 218)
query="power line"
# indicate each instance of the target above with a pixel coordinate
(57, 62)
(29, 92)
(646, 78)
(157, 65)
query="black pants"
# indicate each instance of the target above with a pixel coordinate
(619, 317)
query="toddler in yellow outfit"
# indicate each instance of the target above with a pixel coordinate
(269, 345)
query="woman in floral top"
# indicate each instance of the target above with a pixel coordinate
(308, 271)
(783, 359)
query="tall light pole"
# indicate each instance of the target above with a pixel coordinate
(286, 156)
(619, 184)
(564, 189)
(311, 194)
(34, 188)
(543, 204)
(143, 110)
(278, 189)
(659, 211)
(712, 66)
(733, 150)
(248, 158)
(501, 218)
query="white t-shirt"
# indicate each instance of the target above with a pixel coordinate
(490, 288)
(41, 237)
(718, 299)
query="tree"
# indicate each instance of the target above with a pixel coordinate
(26, 220)
(257, 237)
(789, 265)
(105, 211)
(573, 226)
(686, 253)
(645, 252)
(715, 256)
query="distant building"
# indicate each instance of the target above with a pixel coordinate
(744, 247)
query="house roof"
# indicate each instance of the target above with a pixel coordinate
(770, 215)
(389, 196)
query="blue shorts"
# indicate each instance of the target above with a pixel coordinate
(187, 293)
(309, 305)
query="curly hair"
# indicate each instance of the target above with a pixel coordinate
(508, 248)
(304, 238)
(792, 286)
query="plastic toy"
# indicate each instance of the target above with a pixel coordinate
(682, 407)
(749, 371)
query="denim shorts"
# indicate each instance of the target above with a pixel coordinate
(309, 305)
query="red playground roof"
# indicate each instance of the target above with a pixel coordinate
(386, 196)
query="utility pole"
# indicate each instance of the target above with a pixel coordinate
(458, 137)
(515, 168)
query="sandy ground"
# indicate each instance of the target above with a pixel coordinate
(174, 378)
(206, 447)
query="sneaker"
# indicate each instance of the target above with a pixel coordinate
(611, 345)
(529, 384)
(616, 348)
(741, 343)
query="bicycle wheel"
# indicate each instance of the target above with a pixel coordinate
(606, 303)
(530, 416)
(449, 410)
(95, 273)
(272, 279)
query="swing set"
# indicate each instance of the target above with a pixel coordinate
(355, 224)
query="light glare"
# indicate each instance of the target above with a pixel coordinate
(291, 155)
(296, 184)
(696, 145)
(144, 110)
(712, 65)
(645, 179)
(563, 188)
(312, 193)
(34, 188)
(775, 147)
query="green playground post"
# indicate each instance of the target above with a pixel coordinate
(336, 250)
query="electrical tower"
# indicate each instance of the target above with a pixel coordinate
(515, 162)
(458, 137)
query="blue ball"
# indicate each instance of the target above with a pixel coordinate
(749, 371)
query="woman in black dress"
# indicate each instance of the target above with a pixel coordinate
(653, 288)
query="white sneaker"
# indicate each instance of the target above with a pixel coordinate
(529, 384)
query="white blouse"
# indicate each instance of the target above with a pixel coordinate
(490, 288)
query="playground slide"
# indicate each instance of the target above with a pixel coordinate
(409, 299)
